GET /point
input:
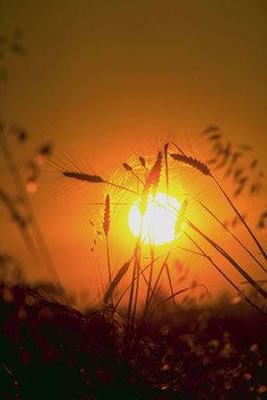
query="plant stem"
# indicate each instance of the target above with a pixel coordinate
(108, 264)
(137, 278)
(149, 287)
(170, 282)
(243, 295)
(230, 259)
(241, 218)
(231, 233)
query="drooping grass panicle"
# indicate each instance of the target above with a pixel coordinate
(114, 283)
(192, 162)
(210, 129)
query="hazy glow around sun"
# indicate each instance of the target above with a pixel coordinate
(158, 221)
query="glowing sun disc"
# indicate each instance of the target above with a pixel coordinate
(158, 223)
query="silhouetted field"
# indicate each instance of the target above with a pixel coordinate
(49, 350)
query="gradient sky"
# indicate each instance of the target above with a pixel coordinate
(102, 78)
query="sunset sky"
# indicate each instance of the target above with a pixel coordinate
(102, 79)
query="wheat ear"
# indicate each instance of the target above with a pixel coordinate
(152, 182)
(94, 179)
(114, 283)
(192, 162)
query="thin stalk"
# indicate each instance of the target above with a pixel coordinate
(128, 287)
(241, 218)
(149, 288)
(164, 264)
(137, 278)
(230, 259)
(131, 296)
(139, 180)
(170, 282)
(243, 295)
(231, 233)
(129, 311)
(137, 257)
(108, 260)
(121, 187)
(15, 381)
(108, 263)
(166, 167)
(184, 290)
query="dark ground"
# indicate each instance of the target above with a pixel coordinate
(49, 350)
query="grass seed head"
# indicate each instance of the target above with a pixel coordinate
(83, 177)
(192, 162)
(114, 283)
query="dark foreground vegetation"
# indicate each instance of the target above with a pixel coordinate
(49, 350)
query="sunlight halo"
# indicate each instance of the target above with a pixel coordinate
(159, 220)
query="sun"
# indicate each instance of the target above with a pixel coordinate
(157, 226)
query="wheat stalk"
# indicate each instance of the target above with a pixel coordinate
(243, 295)
(241, 218)
(166, 146)
(106, 226)
(230, 259)
(106, 218)
(231, 233)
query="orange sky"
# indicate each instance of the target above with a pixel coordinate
(104, 78)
